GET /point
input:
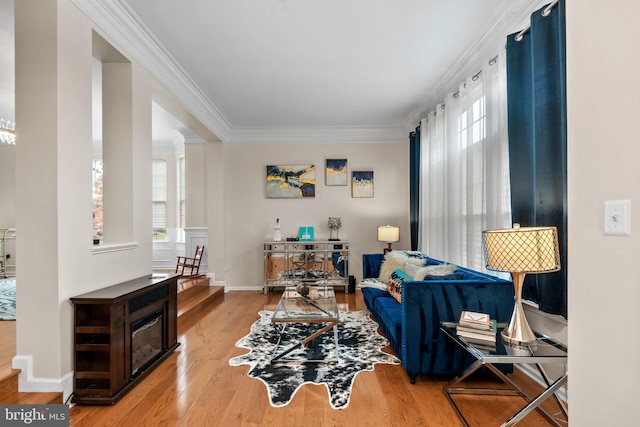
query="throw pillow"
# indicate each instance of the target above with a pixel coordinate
(431, 270)
(395, 260)
(394, 284)
(411, 269)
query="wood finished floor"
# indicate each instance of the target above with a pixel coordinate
(196, 386)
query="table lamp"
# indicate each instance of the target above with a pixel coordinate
(388, 234)
(521, 250)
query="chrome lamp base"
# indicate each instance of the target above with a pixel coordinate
(518, 331)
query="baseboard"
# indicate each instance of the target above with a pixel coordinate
(27, 382)
(532, 373)
(244, 288)
(222, 283)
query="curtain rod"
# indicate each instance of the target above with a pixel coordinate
(476, 76)
(545, 12)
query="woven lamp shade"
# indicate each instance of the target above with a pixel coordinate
(522, 249)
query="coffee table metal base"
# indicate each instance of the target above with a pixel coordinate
(330, 324)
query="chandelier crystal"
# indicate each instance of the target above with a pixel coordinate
(7, 132)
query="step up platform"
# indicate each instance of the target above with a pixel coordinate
(195, 298)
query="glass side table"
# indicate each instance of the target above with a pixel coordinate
(543, 351)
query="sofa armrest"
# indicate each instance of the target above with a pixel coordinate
(371, 265)
(426, 304)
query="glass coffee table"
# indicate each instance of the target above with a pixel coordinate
(543, 351)
(310, 319)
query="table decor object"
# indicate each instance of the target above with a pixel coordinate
(306, 234)
(335, 223)
(521, 250)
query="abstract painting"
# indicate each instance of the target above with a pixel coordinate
(362, 184)
(291, 181)
(336, 172)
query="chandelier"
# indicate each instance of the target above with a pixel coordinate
(7, 132)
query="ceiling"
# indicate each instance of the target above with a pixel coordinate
(301, 63)
(306, 70)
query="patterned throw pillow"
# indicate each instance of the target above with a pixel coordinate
(394, 284)
(396, 260)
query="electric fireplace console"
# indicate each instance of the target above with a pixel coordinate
(120, 334)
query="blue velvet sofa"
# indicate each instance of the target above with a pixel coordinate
(413, 325)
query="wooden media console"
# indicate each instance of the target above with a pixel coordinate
(121, 333)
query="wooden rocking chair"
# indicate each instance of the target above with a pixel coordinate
(192, 264)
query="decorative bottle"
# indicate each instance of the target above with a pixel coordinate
(277, 234)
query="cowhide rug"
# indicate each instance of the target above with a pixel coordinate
(360, 349)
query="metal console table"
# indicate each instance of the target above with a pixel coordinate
(317, 263)
(543, 351)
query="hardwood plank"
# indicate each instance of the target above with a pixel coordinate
(197, 387)
(7, 344)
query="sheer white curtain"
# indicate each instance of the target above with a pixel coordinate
(465, 168)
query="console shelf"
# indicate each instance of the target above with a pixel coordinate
(103, 350)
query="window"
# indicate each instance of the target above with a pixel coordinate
(472, 123)
(465, 170)
(112, 139)
(181, 197)
(96, 164)
(159, 199)
(472, 134)
(98, 219)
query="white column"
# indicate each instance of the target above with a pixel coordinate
(54, 47)
(195, 231)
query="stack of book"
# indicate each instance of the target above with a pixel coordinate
(477, 329)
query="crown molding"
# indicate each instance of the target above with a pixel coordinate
(277, 134)
(165, 147)
(120, 24)
(512, 19)
(116, 19)
(190, 137)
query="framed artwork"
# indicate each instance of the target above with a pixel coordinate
(291, 181)
(306, 234)
(335, 172)
(362, 184)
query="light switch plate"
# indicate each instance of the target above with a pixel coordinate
(617, 217)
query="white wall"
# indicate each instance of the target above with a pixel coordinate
(250, 216)
(53, 182)
(7, 51)
(603, 90)
(7, 186)
(7, 112)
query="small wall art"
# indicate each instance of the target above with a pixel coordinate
(335, 172)
(291, 181)
(362, 184)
